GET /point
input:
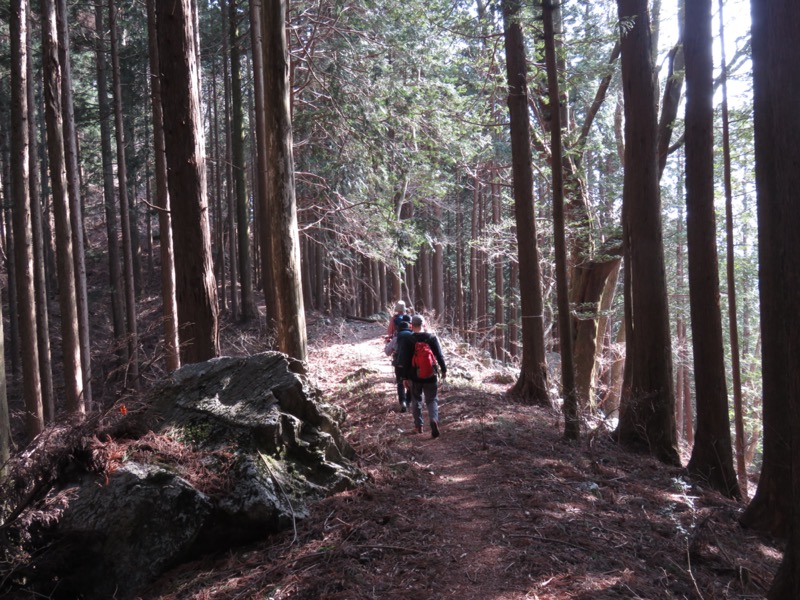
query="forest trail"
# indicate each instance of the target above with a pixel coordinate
(499, 507)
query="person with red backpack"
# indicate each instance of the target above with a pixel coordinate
(421, 360)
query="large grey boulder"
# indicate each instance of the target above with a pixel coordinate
(258, 430)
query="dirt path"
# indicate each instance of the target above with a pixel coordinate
(498, 508)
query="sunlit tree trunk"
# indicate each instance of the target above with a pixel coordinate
(70, 340)
(647, 418)
(185, 149)
(281, 207)
(532, 382)
(168, 301)
(238, 165)
(23, 234)
(570, 406)
(75, 201)
(733, 326)
(39, 260)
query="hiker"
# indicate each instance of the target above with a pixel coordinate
(399, 315)
(403, 331)
(419, 355)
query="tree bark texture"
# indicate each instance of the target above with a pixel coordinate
(70, 340)
(39, 260)
(23, 233)
(75, 201)
(166, 246)
(712, 453)
(132, 336)
(570, 406)
(532, 382)
(116, 285)
(281, 209)
(776, 85)
(647, 418)
(186, 178)
(238, 165)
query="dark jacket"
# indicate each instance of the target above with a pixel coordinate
(401, 335)
(405, 354)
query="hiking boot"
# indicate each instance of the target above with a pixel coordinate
(434, 429)
(418, 428)
(403, 407)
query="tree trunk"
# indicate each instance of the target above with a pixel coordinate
(166, 248)
(39, 260)
(23, 234)
(776, 48)
(499, 282)
(712, 455)
(73, 375)
(776, 82)
(195, 287)
(125, 217)
(733, 326)
(647, 418)
(229, 187)
(238, 165)
(5, 417)
(75, 201)
(532, 382)
(570, 406)
(116, 284)
(281, 205)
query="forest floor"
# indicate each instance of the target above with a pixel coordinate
(499, 507)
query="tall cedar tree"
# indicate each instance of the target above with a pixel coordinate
(124, 205)
(238, 165)
(532, 383)
(776, 85)
(196, 291)
(647, 418)
(280, 211)
(712, 453)
(166, 246)
(74, 194)
(23, 234)
(570, 408)
(70, 342)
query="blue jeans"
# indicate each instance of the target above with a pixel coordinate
(429, 390)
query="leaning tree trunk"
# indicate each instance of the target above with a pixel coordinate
(712, 454)
(647, 418)
(70, 340)
(23, 234)
(280, 201)
(532, 382)
(185, 149)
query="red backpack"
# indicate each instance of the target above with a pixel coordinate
(423, 360)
